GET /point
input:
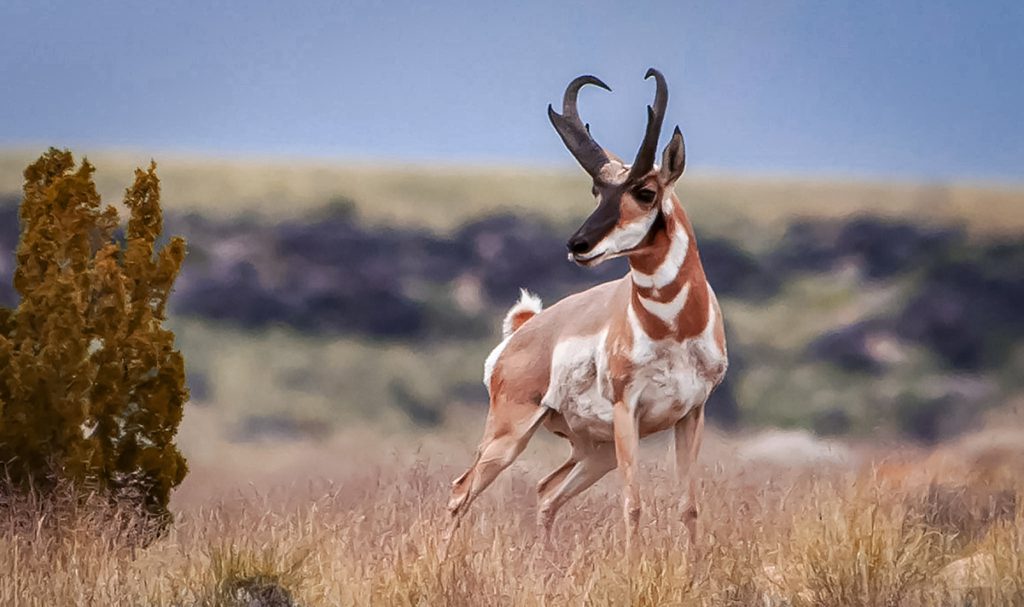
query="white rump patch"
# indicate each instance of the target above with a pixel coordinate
(492, 359)
(528, 302)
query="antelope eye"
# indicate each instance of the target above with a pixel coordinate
(645, 195)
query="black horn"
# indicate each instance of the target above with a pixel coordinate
(644, 161)
(574, 133)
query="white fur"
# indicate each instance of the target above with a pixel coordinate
(712, 356)
(528, 302)
(669, 373)
(614, 172)
(492, 359)
(669, 268)
(671, 378)
(668, 311)
(578, 365)
(634, 325)
(621, 239)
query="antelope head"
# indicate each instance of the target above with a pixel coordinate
(630, 197)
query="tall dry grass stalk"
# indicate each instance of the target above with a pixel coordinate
(826, 536)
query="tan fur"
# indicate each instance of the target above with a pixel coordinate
(523, 370)
(528, 306)
(524, 367)
(617, 362)
(519, 319)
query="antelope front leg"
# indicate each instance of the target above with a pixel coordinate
(689, 433)
(627, 439)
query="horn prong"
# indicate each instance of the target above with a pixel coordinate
(573, 132)
(644, 161)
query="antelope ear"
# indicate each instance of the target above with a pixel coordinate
(673, 159)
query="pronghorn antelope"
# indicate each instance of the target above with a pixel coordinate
(620, 361)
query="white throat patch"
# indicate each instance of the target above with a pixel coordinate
(668, 311)
(669, 268)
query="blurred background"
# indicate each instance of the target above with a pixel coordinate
(365, 186)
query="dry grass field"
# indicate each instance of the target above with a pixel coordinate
(787, 520)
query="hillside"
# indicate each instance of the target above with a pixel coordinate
(443, 197)
(317, 295)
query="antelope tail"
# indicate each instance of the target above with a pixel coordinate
(528, 306)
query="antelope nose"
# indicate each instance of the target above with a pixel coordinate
(578, 245)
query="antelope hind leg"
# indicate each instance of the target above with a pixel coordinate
(506, 433)
(591, 467)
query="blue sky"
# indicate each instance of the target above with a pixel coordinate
(921, 90)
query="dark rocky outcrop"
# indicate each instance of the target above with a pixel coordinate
(328, 276)
(831, 422)
(332, 274)
(880, 248)
(510, 253)
(943, 408)
(855, 347)
(970, 309)
(335, 275)
(735, 272)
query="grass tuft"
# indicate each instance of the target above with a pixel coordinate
(803, 536)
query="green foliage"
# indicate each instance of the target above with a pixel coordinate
(91, 386)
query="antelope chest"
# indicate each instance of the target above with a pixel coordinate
(669, 384)
(669, 380)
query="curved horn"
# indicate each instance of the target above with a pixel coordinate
(573, 132)
(644, 161)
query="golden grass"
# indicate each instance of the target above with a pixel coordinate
(366, 533)
(442, 197)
